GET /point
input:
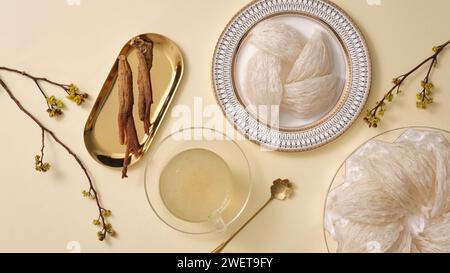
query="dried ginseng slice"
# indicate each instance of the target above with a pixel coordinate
(145, 92)
(127, 129)
(144, 82)
(133, 147)
(125, 83)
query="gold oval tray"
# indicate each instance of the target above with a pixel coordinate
(101, 130)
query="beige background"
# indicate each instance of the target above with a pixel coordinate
(78, 43)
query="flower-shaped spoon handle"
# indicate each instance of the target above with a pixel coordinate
(280, 190)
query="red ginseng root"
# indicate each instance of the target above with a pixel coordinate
(127, 128)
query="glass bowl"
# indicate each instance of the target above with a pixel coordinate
(390, 137)
(214, 143)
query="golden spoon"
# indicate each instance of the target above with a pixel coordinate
(280, 190)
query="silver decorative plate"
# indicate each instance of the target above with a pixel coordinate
(351, 63)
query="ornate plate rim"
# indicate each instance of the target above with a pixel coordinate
(313, 141)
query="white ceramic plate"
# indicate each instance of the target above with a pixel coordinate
(351, 63)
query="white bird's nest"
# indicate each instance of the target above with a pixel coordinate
(395, 197)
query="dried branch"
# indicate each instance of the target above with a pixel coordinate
(92, 193)
(54, 106)
(424, 97)
(40, 166)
